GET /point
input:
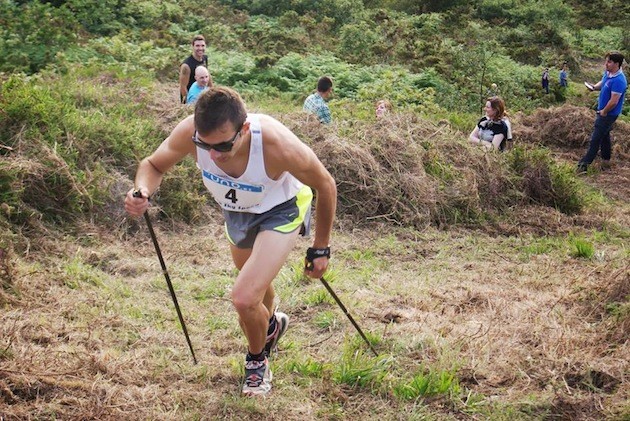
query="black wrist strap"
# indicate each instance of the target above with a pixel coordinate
(313, 253)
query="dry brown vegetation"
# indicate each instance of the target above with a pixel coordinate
(532, 331)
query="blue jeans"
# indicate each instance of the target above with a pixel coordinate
(600, 139)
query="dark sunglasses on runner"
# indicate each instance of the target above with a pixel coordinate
(219, 147)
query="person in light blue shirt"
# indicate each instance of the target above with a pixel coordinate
(202, 79)
(564, 76)
(612, 93)
(316, 102)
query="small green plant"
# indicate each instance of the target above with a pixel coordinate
(307, 367)
(325, 320)
(292, 274)
(427, 384)
(582, 248)
(318, 296)
(78, 273)
(359, 254)
(538, 246)
(358, 369)
(619, 310)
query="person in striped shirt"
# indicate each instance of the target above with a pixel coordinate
(316, 102)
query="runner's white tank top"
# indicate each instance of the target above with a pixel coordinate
(254, 191)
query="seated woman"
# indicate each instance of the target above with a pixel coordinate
(382, 107)
(491, 131)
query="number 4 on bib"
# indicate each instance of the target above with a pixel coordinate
(231, 196)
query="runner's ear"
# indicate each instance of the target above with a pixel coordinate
(245, 128)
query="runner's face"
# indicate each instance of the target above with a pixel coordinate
(224, 135)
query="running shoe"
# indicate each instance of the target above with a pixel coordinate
(282, 323)
(257, 377)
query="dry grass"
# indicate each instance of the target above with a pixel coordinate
(569, 127)
(529, 337)
(408, 171)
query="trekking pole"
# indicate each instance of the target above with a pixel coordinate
(356, 326)
(137, 193)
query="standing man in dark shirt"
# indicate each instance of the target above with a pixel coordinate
(187, 69)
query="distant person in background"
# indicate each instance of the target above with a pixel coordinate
(492, 91)
(202, 79)
(545, 80)
(564, 75)
(187, 68)
(316, 102)
(612, 93)
(383, 107)
(491, 131)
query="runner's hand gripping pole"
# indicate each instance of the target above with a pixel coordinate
(137, 193)
(312, 254)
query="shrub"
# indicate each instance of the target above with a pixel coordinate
(594, 43)
(32, 34)
(68, 137)
(545, 182)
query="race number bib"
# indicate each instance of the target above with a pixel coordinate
(233, 195)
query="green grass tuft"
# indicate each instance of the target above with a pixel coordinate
(582, 248)
(427, 383)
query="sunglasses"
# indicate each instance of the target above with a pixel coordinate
(219, 147)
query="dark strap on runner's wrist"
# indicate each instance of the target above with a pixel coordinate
(313, 253)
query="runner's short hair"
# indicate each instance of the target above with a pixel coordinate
(216, 106)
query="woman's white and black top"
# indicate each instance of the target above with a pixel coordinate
(490, 128)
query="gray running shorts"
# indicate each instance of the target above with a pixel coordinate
(241, 228)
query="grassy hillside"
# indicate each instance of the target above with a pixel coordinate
(443, 56)
(494, 286)
(483, 280)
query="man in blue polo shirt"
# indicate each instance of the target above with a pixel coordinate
(612, 89)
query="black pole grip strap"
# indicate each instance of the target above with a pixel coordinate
(314, 253)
